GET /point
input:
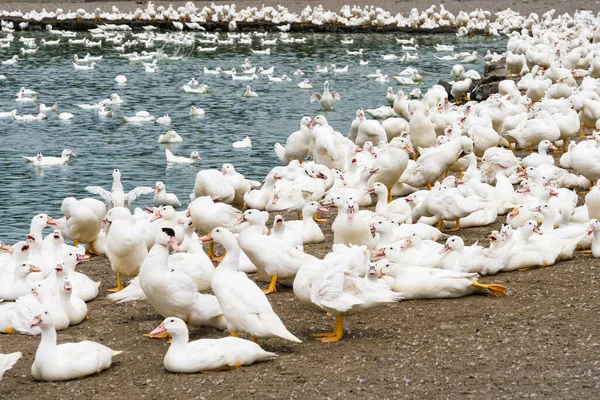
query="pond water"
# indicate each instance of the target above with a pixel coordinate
(102, 144)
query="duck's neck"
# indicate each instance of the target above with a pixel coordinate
(307, 217)
(36, 228)
(159, 254)
(232, 255)
(48, 342)
(19, 280)
(180, 339)
(65, 301)
(255, 229)
(549, 223)
(596, 244)
(381, 206)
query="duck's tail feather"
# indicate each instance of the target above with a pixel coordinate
(132, 292)
(280, 151)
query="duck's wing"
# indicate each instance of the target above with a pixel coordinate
(328, 291)
(336, 95)
(315, 97)
(138, 191)
(105, 194)
(8, 360)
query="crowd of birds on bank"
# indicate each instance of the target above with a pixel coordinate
(192, 18)
(378, 257)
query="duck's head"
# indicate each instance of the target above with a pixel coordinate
(33, 239)
(44, 319)
(171, 325)
(164, 212)
(453, 243)
(313, 207)
(39, 156)
(390, 90)
(159, 187)
(593, 226)
(374, 272)
(531, 226)
(326, 84)
(26, 268)
(228, 169)
(57, 236)
(166, 237)
(116, 174)
(351, 207)
(195, 155)
(278, 223)
(378, 188)
(305, 121)
(67, 286)
(45, 220)
(411, 239)
(254, 217)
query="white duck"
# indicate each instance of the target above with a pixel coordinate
(173, 293)
(170, 136)
(68, 360)
(74, 306)
(274, 258)
(206, 355)
(18, 286)
(296, 145)
(350, 225)
(341, 292)
(244, 305)
(162, 198)
(117, 197)
(327, 98)
(125, 245)
(84, 219)
(40, 161)
(196, 111)
(540, 158)
(191, 160)
(308, 229)
(83, 287)
(428, 283)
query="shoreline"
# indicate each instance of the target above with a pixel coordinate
(393, 8)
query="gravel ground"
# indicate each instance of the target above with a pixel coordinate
(403, 6)
(539, 341)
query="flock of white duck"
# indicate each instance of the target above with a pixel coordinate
(380, 256)
(192, 18)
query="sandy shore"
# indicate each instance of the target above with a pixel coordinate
(395, 6)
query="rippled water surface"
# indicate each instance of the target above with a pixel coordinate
(102, 144)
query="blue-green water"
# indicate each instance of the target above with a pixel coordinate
(102, 144)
